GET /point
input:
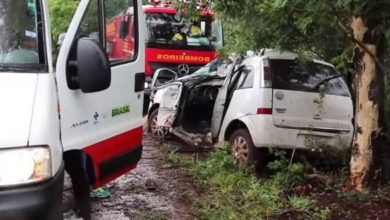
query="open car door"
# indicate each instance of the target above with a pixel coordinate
(169, 92)
(222, 101)
(163, 76)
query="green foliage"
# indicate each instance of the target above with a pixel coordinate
(301, 25)
(61, 13)
(152, 216)
(236, 193)
(299, 202)
(359, 196)
(309, 26)
(170, 155)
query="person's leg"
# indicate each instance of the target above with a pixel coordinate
(75, 166)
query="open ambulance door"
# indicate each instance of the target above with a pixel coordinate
(100, 95)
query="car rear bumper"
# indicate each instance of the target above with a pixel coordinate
(40, 201)
(265, 134)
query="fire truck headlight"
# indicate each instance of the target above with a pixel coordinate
(24, 165)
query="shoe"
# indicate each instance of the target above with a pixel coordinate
(101, 192)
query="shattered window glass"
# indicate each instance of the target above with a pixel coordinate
(246, 78)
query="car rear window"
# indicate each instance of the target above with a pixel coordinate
(307, 77)
(246, 78)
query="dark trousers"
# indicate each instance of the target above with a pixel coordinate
(75, 166)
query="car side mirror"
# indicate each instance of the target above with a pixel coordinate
(90, 71)
(162, 76)
(123, 29)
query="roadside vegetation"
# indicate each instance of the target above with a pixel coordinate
(285, 189)
(235, 192)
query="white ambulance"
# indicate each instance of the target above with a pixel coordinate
(81, 113)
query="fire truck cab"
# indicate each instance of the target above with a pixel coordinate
(83, 114)
(172, 41)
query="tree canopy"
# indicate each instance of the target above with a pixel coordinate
(61, 13)
(317, 27)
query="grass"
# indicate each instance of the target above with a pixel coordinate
(234, 192)
(170, 155)
(152, 216)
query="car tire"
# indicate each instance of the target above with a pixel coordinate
(244, 151)
(152, 128)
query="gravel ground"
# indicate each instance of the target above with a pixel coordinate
(154, 190)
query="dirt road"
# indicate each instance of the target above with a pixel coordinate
(154, 190)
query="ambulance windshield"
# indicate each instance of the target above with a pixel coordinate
(166, 30)
(21, 38)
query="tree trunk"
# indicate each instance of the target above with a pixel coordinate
(367, 127)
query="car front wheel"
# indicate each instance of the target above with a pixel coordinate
(153, 128)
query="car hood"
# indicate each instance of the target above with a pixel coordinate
(17, 92)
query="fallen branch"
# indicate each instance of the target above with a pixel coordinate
(291, 210)
(354, 40)
(385, 198)
(321, 177)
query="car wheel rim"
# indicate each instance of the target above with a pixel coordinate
(157, 131)
(240, 150)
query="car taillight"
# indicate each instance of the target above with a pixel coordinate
(267, 75)
(264, 111)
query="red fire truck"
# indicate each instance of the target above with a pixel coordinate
(170, 42)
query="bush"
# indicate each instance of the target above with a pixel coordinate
(236, 193)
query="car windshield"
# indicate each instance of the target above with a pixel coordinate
(166, 30)
(21, 35)
(209, 69)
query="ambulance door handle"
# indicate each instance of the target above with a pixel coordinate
(139, 82)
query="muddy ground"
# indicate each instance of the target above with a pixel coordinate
(159, 190)
(154, 190)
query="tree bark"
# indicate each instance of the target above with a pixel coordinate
(367, 114)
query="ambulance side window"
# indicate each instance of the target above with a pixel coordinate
(89, 26)
(120, 30)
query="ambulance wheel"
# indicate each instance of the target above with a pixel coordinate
(152, 125)
(244, 151)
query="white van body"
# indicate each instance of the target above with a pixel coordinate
(42, 118)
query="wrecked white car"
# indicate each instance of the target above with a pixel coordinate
(267, 100)
(184, 107)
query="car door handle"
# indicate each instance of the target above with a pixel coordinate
(139, 82)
